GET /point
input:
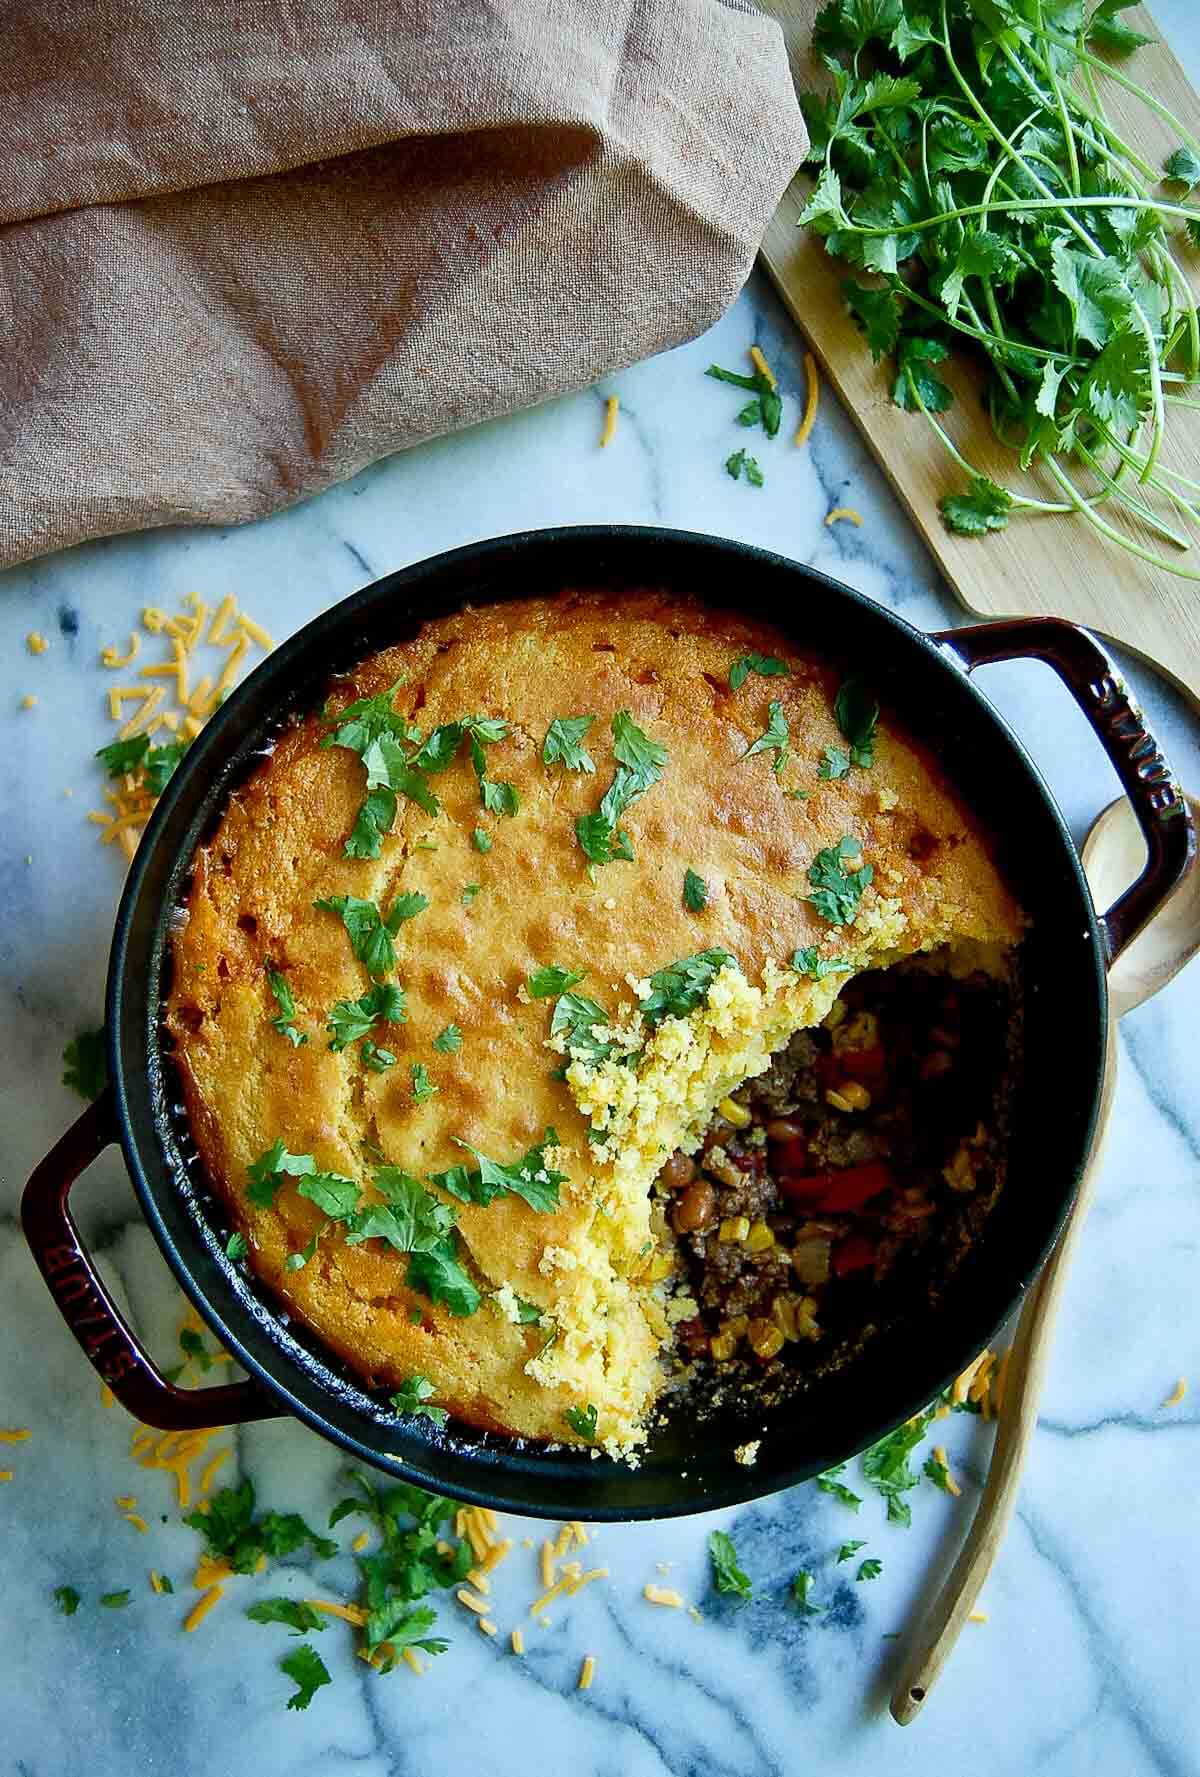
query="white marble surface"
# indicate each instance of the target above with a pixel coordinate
(1089, 1661)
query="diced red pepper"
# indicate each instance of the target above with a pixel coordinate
(867, 1065)
(843, 1190)
(854, 1253)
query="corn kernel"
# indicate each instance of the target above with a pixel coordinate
(765, 1339)
(722, 1346)
(735, 1113)
(736, 1325)
(759, 1238)
(849, 1096)
(783, 1313)
(660, 1266)
(734, 1228)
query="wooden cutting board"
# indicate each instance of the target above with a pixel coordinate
(1053, 565)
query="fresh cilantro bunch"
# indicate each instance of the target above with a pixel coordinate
(407, 1566)
(970, 179)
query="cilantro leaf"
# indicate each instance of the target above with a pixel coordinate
(936, 1471)
(802, 1586)
(985, 507)
(267, 1173)
(849, 1549)
(120, 757)
(810, 962)
(365, 720)
(640, 762)
(741, 462)
(236, 1248)
(67, 1600)
(837, 891)
(695, 892)
(470, 890)
(372, 824)
(348, 1020)
(644, 757)
(681, 987)
(85, 1065)
(916, 384)
(423, 1088)
(531, 1178)
(161, 764)
(436, 1273)
(775, 737)
(284, 1023)
(293, 1613)
(410, 1218)
(1106, 32)
(548, 982)
(481, 839)
(1183, 168)
(578, 1017)
(857, 714)
(1095, 290)
(886, 1466)
(727, 1575)
(411, 1397)
(834, 763)
(764, 664)
(733, 376)
(448, 1041)
(115, 1600)
(371, 934)
(374, 1058)
(870, 1569)
(838, 1489)
(156, 765)
(192, 1346)
(877, 313)
(582, 1421)
(307, 1671)
(230, 1529)
(334, 1195)
(563, 743)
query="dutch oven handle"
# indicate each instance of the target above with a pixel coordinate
(1101, 693)
(90, 1311)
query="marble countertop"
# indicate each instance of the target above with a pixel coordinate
(1088, 1661)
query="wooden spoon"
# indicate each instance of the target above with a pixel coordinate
(1113, 854)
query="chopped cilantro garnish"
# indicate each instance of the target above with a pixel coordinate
(766, 410)
(412, 1397)
(423, 1087)
(857, 715)
(582, 1421)
(230, 1529)
(578, 1017)
(530, 1178)
(67, 1600)
(406, 1567)
(774, 737)
(849, 1549)
(469, 892)
(870, 1569)
(284, 1023)
(371, 934)
(293, 1613)
(740, 461)
(376, 1059)
(165, 1584)
(886, 1466)
(810, 962)
(348, 1020)
(838, 1489)
(333, 1194)
(481, 839)
(764, 664)
(85, 1068)
(546, 983)
(268, 1171)
(937, 1472)
(835, 762)
(679, 989)
(298, 1260)
(307, 1671)
(436, 1273)
(156, 765)
(236, 1248)
(123, 756)
(527, 1312)
(801, 1587)
(449, 1040)
(563, 743)
(193, 1346)
(115, 1600)
(640, 762)
(727, 1575)
(695, 892)
(837, 891)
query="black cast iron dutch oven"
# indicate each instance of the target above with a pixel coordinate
(689, 1465)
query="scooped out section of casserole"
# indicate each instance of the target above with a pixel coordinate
(474, 958)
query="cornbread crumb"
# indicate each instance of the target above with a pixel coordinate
(887, 799)
(747, 1454)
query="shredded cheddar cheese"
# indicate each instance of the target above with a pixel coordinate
(563, 1543)
(844, 512)
(547, 1565)
(20, 1434)
(409, 1656)
(1177, 1393)
(156, 1584)
(518, 1642)
(471, 1602)
(223, 619)
(609, 430)
(939, 1456)
(138, 1522)
(29, 701)
(200, 1610)
(811, 399)
(487, 1626)
(113, 657)
(496, 1554)
(349, 1613)
(763, 368)
(153, 620)
(208, 1473)
(662, 1595)
(978, 1616)
(480, 1581)
(36, 642)
(587, 1672)
(360, 1542)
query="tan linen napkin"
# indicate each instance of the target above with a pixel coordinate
(250, 246)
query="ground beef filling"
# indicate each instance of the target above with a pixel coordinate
(815, 1180)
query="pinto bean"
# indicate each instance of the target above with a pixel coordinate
(679, 1171)
(696, 1209)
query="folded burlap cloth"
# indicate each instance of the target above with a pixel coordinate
(249, 246)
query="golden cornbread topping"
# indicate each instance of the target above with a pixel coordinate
(489, 938)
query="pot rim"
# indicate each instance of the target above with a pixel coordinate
(214, 745)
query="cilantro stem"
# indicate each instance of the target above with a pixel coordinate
(1085, 511)
(1131, 86)
(1029, 205)
(1061, 107)
(1148, 517)
(1024, 501)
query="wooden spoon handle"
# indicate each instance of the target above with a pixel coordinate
(935, 1639)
